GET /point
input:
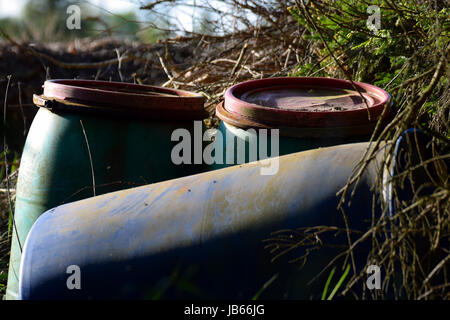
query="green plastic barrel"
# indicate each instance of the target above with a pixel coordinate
(307, 112)
(95, 137)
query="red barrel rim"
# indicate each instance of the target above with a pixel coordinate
(251, 114)
(135, 98)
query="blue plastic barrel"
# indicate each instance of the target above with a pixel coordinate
(196, 237)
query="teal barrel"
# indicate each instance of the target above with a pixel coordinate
(199, 236)
(92, 133)
(308, 112)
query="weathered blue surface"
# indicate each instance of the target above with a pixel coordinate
(197, 236)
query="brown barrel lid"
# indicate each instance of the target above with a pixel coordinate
(146, 100)
(302, 102)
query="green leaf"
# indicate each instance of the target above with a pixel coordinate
(264, 287)
(325, 290)
(338, 285)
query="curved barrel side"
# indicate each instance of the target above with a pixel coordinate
(197, 236)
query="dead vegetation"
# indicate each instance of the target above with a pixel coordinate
(409, 237)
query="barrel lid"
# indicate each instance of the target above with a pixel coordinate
(153, 101)
(303, 102)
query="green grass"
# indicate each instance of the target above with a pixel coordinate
(264, 287)
(337, 286)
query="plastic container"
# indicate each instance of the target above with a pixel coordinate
(108, 134)
(199, 236)
(308, 112)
